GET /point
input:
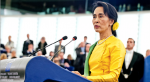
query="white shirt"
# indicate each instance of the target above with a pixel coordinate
(128, 58)
(28, 40)
(10, 44)
(87, 54)
(9, 55)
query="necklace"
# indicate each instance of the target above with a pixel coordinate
(104, 40)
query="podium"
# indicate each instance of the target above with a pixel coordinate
(35, 69)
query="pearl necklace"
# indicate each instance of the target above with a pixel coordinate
(104, 40)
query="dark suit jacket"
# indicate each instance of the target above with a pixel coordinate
(25, 46)
(44, 50)
(56, 49)
(85, 46)
(71, 62)
(137, 63)
(81, 56)
(2, 46)
(79, 62)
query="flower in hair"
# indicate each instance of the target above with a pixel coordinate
(115, 26)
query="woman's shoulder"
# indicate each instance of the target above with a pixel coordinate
(114, 41)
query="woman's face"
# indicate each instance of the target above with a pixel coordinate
(42, 40)
(100, 21)
(69, 57)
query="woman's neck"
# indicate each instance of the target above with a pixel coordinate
(104, 35)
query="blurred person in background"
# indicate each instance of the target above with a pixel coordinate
(147, 52)
(26, 43)
(39, 53)
(8, 51)
(51, 54)
(30, 50)
(69, 67)
(80, 59)
(58, 47)
(81, 49)
(13, 54)
(69, 60)
(42, 45)
(10, 43)
(62, 60)
(85, 41)
(133, 66)
(56, 61)
(3, 56)
(87, 49)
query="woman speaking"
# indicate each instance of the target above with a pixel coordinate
(106, 56)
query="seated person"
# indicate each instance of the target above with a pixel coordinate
(61, 58)
(66, 65)
(56, 61)
(39, 53)
(8, 52)
(13, 54)
(30, 50)
(51, 54)
(69, 60)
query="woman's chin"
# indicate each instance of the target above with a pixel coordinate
(96, 30)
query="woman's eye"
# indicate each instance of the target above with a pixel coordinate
(94, 17)
(100, 16)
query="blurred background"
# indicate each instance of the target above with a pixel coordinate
(54, 19)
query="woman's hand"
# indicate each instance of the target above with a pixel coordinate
(76, 72)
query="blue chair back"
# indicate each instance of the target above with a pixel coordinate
(146, 76)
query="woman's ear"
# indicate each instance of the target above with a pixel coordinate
(111, 21)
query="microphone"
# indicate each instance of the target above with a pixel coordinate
(73, 39)
(63, 38)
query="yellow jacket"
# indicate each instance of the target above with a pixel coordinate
(105, 60)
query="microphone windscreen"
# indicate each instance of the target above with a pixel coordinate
(74, 38)
(64, 38)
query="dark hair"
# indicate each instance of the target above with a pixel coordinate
(30, 44)
(109, 10)
(85, 36)
(132, 39)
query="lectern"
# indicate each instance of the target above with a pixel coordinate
(35, 69)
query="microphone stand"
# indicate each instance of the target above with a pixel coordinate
(59, 50)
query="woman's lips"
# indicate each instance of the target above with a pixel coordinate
(96, 26)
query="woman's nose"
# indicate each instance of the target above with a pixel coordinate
(96, 20)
